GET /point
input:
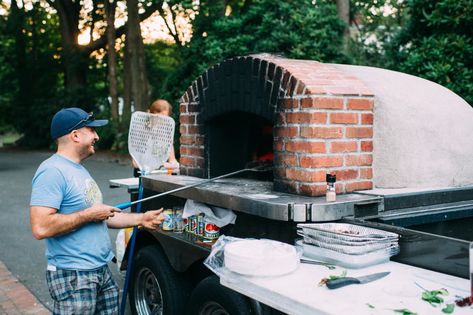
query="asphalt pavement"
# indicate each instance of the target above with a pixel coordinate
(20, 252)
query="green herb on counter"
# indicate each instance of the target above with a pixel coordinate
(433, 297)
(405, 311)
(448, 309)
(370, 305)
(332, 277)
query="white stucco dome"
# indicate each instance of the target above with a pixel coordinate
(423, 132)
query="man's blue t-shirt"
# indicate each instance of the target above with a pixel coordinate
(67, 186)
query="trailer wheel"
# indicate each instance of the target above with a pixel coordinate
(156, 288)
(211, 298)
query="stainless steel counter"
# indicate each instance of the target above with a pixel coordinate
(258, 198)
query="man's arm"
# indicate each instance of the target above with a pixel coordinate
(46, 222)
(150, 220)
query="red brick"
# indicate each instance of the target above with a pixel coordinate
(322, 132)
(366, 173)
(182, 108)
(285, 160)
(328, 103)
(300, 88)
(305, 175)
(290, 132)
(361, 160)
(195, 151)
(193, 108)
(343, 146)
(346, 174)
(304, 117)
(289, 103)
(350, 187)
(192, 161)
(187, 140)
(321, 161)
(279, 146)
(360, 103)
(343, 118)
(183, 129)
(305, 146)
(359, 132)
(187, 119)
(367, 119)
(307, 102)
(281, 119)
(193, 130)
(367, 146)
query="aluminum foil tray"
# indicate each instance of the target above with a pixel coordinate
(353, 250)
(345, 232)
(345, 260)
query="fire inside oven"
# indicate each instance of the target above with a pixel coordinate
(237, 140)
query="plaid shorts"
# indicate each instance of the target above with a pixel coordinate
(83, 292)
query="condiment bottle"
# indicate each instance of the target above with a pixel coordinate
(331, 196)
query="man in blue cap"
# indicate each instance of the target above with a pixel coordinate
(66, 210)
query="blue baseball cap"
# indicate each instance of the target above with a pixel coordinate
(73, 118)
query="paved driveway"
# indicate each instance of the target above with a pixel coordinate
(21, 253)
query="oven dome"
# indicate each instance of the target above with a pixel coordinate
(422, 132)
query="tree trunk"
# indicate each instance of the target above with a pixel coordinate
(135, 49)
(343, 8)
(126, 86)
(112, 58)
(16, 22)
(74, 58)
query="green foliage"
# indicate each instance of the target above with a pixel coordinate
(8, 83)
(437, 44)
(293, 28)
(376, 23)
(31, 77)
(162, 59)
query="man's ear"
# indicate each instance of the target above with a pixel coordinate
(74, 136)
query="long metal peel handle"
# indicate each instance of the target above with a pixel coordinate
(123, 205)
(205, 181)
(341, 282)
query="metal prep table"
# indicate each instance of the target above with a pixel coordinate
(298, 293)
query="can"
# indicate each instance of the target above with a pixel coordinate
(186, 224)
(211, 231)
(178, 224)
(192, 223)
(168, 222)
(200, 224)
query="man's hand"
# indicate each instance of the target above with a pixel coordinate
(100, 212)
(152, 219)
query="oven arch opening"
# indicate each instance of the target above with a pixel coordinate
(237, 140)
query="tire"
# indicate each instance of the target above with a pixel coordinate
(156, 288)
(209, 297)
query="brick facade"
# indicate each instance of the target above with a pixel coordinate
(322, 120)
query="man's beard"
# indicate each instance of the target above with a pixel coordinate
(87, 151)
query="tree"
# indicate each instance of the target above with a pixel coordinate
(110, 7)
(437, 44)
(33, 52)
(293, 28)
(135, 54)
(377, 22)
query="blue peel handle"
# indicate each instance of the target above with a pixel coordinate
(123, 205)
